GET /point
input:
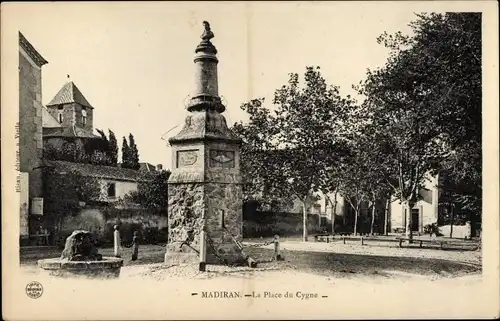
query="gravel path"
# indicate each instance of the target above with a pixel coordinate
(370, 249)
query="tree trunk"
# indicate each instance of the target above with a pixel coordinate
(452, 218)
(386, 213)
(472, 220)
(409, 232)
(304, 222)
(356, 221)
(334, 208)
(403, 214)
(373, 218)
(334, 212)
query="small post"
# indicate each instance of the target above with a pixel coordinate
(277, 252)
(135, 246)
(343, 239)
(117, 241)
(362, 243)
(203, 252)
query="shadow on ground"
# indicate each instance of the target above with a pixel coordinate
(339, 264)
(320, 263)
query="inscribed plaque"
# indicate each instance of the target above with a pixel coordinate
(222, 158)
(187, 157)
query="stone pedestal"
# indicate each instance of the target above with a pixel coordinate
(205, 191)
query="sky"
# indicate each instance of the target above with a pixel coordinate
(134, 61)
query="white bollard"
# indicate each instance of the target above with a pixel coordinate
(468, 233)
(117, 246)
(203, 251)
(277, 251)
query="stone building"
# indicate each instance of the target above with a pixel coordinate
(30, 132)
(60, 137)
(114, 182)
(424, 212)
(68, 119)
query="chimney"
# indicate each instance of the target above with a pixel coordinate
(159, 167)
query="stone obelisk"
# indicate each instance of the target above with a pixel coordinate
(205, 191)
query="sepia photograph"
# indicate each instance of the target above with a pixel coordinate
(250, 160)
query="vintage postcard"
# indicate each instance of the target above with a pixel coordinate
(250, 160)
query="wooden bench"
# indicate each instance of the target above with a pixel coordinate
(323, 238)
(420, 242)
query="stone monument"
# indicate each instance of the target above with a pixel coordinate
(205, 191)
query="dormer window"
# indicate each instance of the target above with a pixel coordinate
(60, 118)
(84, 117)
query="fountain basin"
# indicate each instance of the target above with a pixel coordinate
(108, 267)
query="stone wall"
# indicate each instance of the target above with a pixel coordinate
(150, 224)
(268, 224)
(66, 111)
(30, 120)
(459, 231)
(186, 207)
(224, 204)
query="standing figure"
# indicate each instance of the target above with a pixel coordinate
(135, 246)
(117, 242)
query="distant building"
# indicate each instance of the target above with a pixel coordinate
(425, 211)
(114, 182)
(68, 119)
(147, 167)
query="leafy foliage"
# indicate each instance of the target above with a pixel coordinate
(285, 149)
(64, 193)
(113, 148)
(134, 153)
(421, 117)
(125, 154)
(130, 153)
(152, 191)
(88, 152)
(425, 103)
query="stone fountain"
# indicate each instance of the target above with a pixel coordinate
(80, 257)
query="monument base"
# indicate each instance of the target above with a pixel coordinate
(180, 258)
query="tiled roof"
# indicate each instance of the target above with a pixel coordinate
(69, 93)
(31, 51)
(72, 131)
(107, 172)
(48, 120)
(147, 167)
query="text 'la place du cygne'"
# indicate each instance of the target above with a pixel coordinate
(264, 295)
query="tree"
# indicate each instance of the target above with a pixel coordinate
(353, 184)
(134, 153)
(425, 102)
(285, 148)
(113, 148)
(152, 191)
(258, 158)
(64, 193)
(377, 180)
(126, 163)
